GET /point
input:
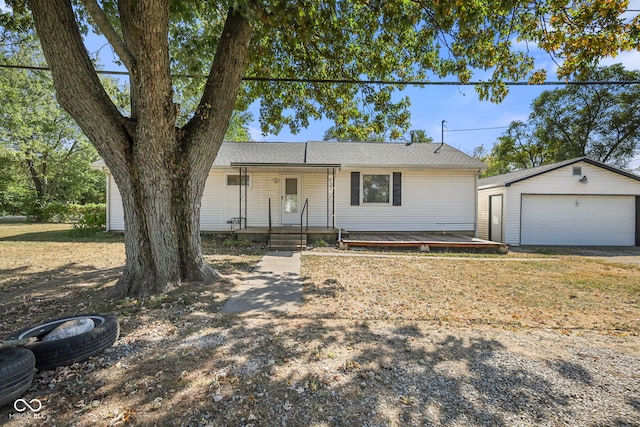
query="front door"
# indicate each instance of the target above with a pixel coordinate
(495, 218)
(291, 199)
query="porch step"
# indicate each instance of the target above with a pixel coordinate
(287, 242)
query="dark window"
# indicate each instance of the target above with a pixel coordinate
(236, 179)
(375, 189)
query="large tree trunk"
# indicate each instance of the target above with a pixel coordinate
(161, 248)
(160, 170)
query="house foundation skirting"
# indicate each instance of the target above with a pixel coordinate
(313, 234)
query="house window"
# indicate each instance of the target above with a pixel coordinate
(238, 179)
(577, 171)
(375, 188)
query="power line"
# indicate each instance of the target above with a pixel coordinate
(374, 82)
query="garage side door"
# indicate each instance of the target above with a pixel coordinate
(578, 220)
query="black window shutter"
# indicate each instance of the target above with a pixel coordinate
(397, 189)
(355, 188)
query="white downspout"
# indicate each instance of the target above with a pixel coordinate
(475, 194)
(108, 200)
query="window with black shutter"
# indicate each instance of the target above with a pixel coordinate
(397, 189)
(355, 188)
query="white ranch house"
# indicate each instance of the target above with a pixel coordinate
(577, 202)
(347, 186)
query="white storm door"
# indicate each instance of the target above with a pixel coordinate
(291, 199)
(495, 218)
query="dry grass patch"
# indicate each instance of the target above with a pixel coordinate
(560, 292)
(48, 270)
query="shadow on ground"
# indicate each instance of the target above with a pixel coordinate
(190, 367)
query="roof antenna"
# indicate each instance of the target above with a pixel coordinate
(442, 137)
(413, 135)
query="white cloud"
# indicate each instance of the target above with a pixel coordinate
(255, 134)
(630, 60)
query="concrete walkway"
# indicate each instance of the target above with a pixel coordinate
(274, 285)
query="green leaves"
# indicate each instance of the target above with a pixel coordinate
(385, 40)
(598, 121)
(46, 157)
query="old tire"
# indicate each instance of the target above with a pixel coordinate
(17, 366)
(67, 351)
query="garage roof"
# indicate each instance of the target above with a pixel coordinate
(507, 179)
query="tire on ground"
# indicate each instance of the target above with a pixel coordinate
(67, 351)
(17, 366)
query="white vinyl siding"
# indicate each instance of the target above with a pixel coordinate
(221, 202)
(114, 204)
(432, 200)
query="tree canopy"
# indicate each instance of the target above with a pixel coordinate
(597, 121)
(46, 156)
(161, 163)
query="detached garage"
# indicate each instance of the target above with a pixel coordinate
(578, 202)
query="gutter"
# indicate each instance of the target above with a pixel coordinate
(284, 165)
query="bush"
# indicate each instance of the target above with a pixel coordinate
(53, 211)
(90, 218)
(45, 211)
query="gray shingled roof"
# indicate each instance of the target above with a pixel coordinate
(345, 154)
(342, 154)
(259, 152)
(508, 179)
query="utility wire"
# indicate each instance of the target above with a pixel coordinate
(375, 82)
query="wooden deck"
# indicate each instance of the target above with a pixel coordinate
(424, 241)
(421, 241)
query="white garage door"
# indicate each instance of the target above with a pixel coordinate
(578, 220)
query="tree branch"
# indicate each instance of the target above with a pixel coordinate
(110, 33)
(212, 116)
(35, 177)
(78, 88)
(70, 151)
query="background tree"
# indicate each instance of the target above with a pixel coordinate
(597, 121)
(238, 130)
(419, 135)
(46, 156)
(161, 168)
(335, 134)
(13, 191)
